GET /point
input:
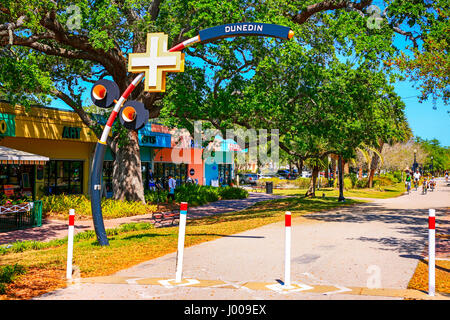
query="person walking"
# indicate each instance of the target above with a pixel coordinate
(151, 181)
(172, 186)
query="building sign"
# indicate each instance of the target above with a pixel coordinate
(7, 125)
(71, 133)
(245, 29)
(148, 140)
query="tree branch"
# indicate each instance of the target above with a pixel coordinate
(303, 16)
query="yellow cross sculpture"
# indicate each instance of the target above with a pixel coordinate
(156, 62)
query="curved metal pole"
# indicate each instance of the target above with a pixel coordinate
(97, 166)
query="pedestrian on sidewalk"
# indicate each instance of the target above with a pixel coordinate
(172, 186)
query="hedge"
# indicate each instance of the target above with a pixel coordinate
(59, 205)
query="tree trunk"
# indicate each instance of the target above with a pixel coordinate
(375, 161)
(300, 167)
(341, 179)
(127, 175)
(312, 186)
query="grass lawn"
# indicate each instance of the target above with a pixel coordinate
(45, 268)
(381, 193)
(419, 281)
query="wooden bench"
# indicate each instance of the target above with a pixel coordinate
(160, 218)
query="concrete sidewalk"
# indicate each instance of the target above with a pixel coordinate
(339, 254)
(56, 229)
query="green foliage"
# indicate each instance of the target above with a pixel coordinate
(60, 205)
(155, 197)
(353, 177)
(393, 177)
(14, 199)
(8, 274)
(348, 183)
(301, 183)
(195, 194)
(383, 181)
(440, 154)
(362, 183)
(232, 193)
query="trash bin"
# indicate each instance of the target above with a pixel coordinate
(269, 187)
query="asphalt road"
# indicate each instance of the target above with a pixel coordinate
(369, 246)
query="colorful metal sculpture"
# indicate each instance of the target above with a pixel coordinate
(153, 65)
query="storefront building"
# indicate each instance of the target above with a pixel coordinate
(152, 138)
(63, 148)
(219, 165)
(56, 134)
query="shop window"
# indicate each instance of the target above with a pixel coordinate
(224, 174)
(17, 179)
(63, 176)
(108, 176)
(177, 171)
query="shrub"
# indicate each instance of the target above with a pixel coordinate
(233, 193)
(60, 205)
(8, 274)
(362, 183)
(353, 177)
(155, 196)
(196, 194)
(302, 183)
(382, 181)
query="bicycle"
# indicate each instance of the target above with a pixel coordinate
(424, 187)
(416, 184)
(408, 186)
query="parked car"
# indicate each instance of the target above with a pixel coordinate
(248, 178)
(267, 176)
(306, 174)
(283, 173)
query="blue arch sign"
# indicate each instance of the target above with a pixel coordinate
(245, 29)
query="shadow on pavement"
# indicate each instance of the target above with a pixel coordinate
(407, 221)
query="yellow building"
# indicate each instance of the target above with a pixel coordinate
(57, 134)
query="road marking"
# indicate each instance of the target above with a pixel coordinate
(294, 287)
(253, 287)
(341, 290)
(171, 283)
(133, 281)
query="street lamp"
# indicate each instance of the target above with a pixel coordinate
(415, 163)
(432, 166)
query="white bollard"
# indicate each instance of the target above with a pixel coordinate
(287, 252)
(181, 236)
(431, 252)
(70, 243)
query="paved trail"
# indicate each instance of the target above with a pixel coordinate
(369, 245)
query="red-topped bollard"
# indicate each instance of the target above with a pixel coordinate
(287, 252)
(431, 251)
(70, 243)
(181, 236)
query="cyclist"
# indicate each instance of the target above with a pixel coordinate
(446, 176)
(416, 178)
(432, 183)
(424, 185)
(408, 182)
